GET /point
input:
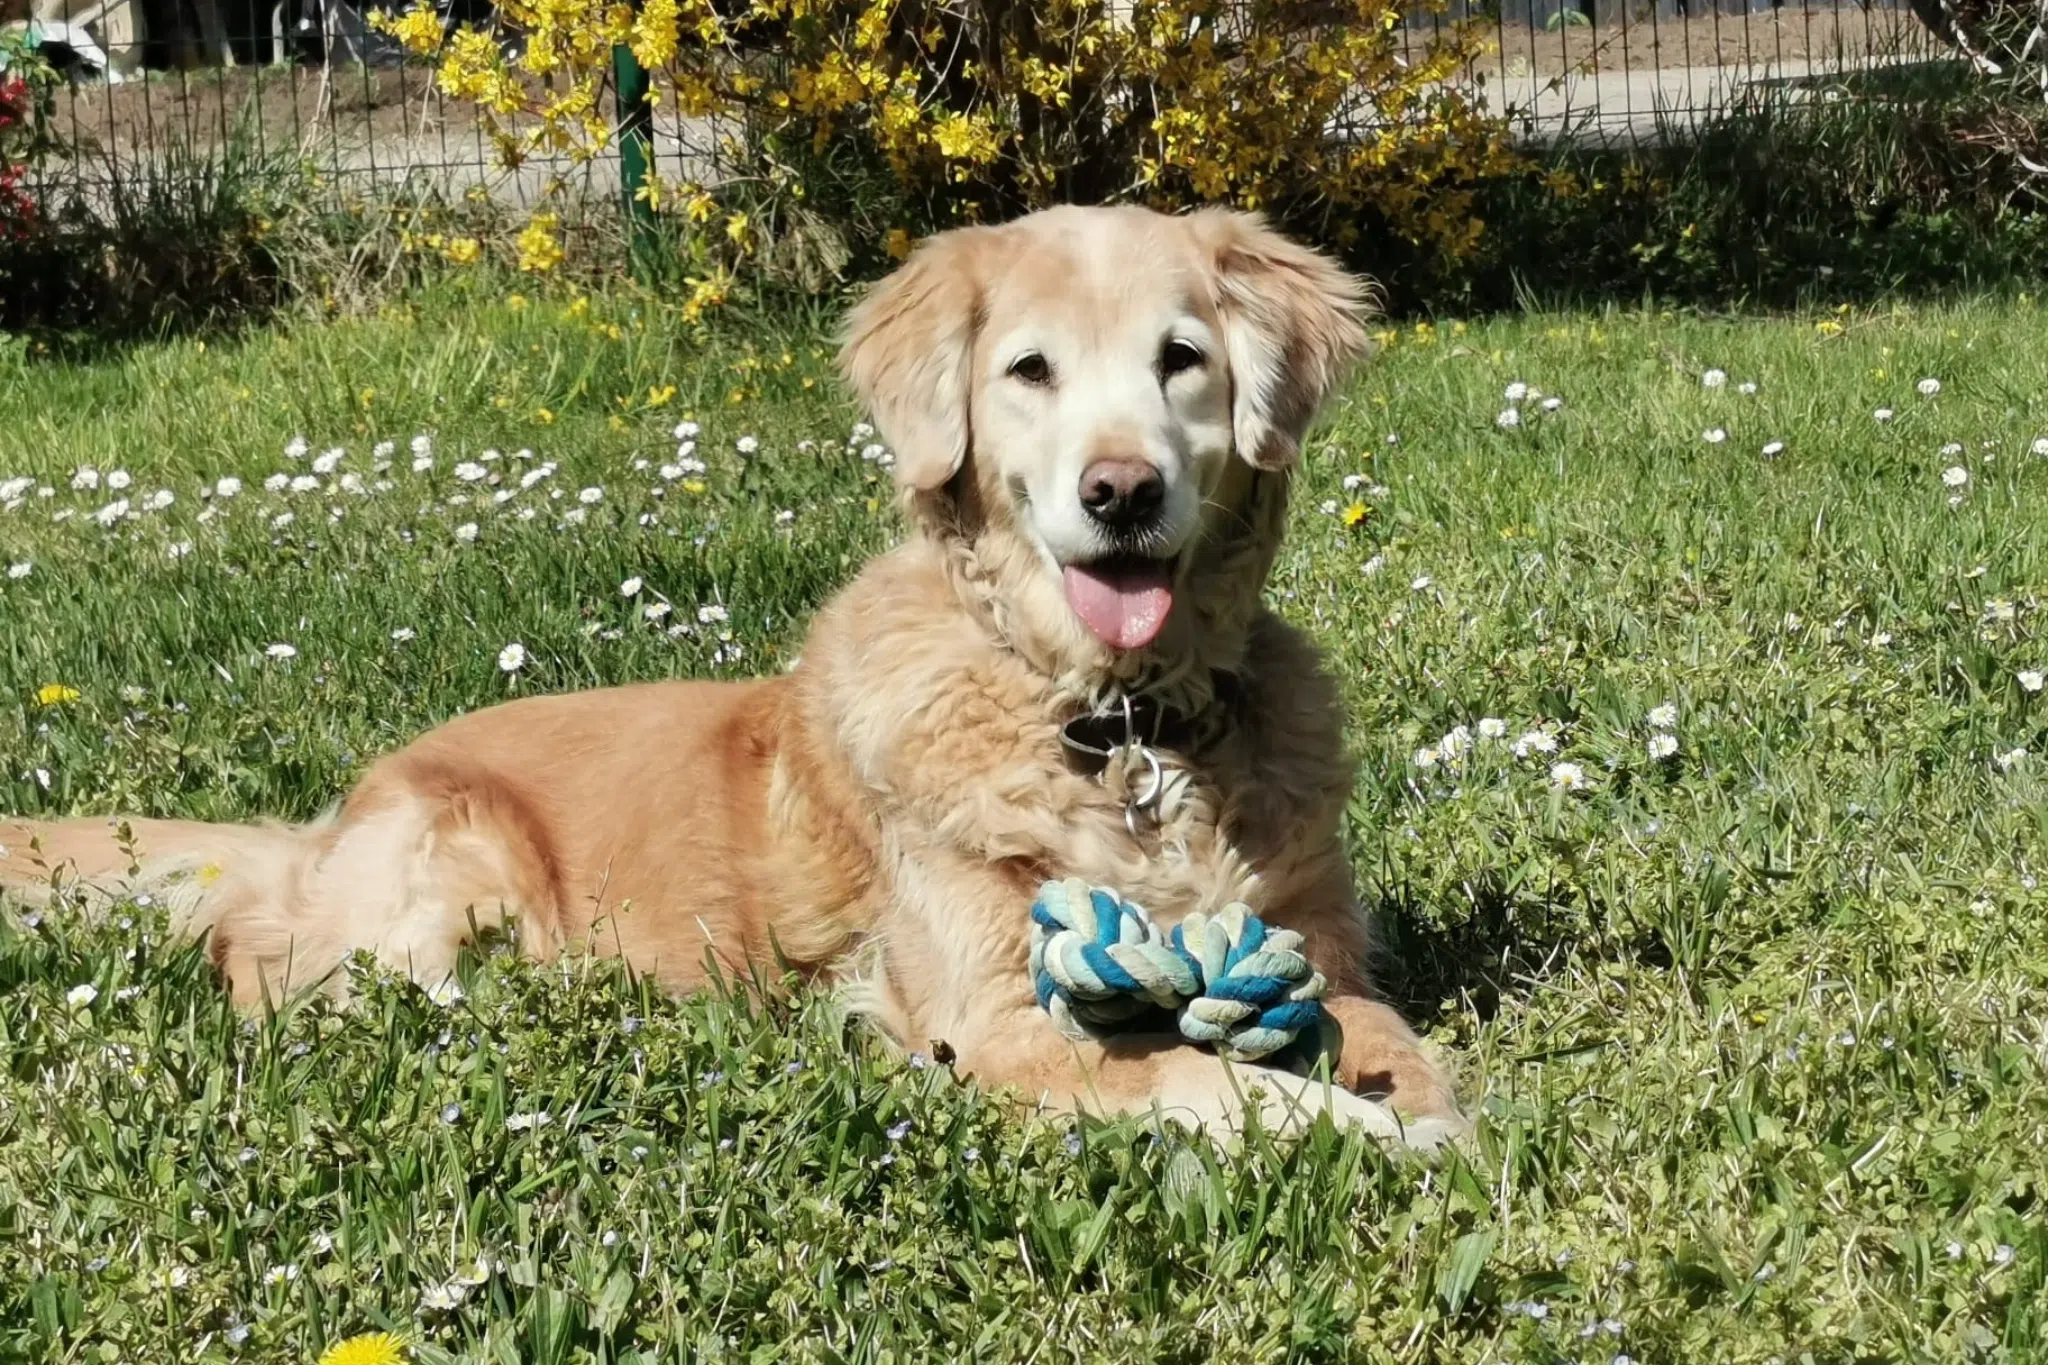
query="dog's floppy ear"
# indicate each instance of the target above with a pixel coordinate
(1293, 324)
(907, 352)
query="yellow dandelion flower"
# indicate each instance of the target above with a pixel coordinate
(55, 694)
(372, 1348)
(899, 244)
(1828, 327)
(1356, 513)
(693, 485)
(659, 397)
(545, 417)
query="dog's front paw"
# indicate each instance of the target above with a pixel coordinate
(1294, 1102)
(1219, 1098)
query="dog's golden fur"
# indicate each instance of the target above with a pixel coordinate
(882, 813)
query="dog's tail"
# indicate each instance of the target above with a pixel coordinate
(193, 868)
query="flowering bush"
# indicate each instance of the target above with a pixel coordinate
(17, 126)
(821, 121)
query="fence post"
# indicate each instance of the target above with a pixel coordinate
(636, 145)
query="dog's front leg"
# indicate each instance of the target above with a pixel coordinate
(1159, 1075)
(1378, 1056)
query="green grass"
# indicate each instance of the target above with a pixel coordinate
(1754, 1031)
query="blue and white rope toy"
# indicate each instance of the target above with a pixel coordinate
(1100, 965)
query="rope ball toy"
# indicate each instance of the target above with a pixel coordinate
(1100, 965)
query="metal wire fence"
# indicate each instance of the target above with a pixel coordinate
(311, 80)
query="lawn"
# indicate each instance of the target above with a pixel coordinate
(1702, 799)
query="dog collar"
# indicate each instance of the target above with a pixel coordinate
(1142, 721)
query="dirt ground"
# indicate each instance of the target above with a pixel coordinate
(285, 106)
(1819, 37)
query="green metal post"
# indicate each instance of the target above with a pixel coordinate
(636, 145)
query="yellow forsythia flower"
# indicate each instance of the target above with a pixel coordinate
(540, 248)
(55, 694)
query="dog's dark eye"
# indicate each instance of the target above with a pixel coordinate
(1032, 368)
(1177, 355)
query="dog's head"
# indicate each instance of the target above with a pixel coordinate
(1088, 396)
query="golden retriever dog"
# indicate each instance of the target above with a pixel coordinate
(1094, 413)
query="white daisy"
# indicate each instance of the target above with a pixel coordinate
(304, 483)
(112, 512)
(1713, 436)
(1882, 415)
(590, 496)
(1955, 476)
(2040, 447)
(1773, 449)
(422, 463)
(1534, 742)
(85, 479)
(2010, 759)
(281, 650)
(295, 448)
(469, 471)
(631, 587)
(119, 480)
(1928, 387)
(1425, 758)
(1746, 386)
(227, 487)
(327, 461)
(1452, 746)
(512, 657)
(1508, 418)
(1552, 404)
(277, 483)
(1493, 727)
(712, 614)
(1664, 715)
(1515, 392)
(281, 1274)
(466, 533)
(422, 445)
(1714, 379)
(686, 431)
(1663, 746)
(159, 500)
(20, 569)
(81, 995)
(654, 611)
(2031, 679)
(403, 634)
(747, 445)
(1567, 777)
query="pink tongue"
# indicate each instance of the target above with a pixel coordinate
(1125, 607)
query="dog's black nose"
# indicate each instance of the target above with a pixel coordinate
(1122, 493)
